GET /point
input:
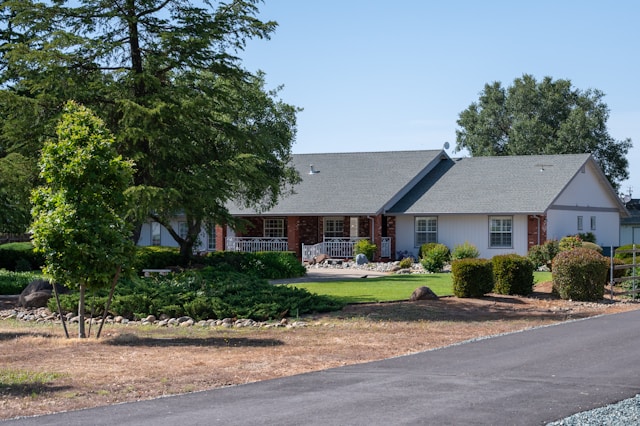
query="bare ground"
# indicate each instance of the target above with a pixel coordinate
(131, 363)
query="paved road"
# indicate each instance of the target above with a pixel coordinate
(526, 378)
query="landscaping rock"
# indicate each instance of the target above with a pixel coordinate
(423, 293)
(37, 294)
(361, 259)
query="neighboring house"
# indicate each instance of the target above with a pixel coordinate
(403, 199)
(630, 226)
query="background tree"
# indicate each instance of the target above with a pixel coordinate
(79, 210)
(546, 117)
(17, 176)
(164, 77)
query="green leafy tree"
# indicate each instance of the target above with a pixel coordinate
(79, 209)
(17, 177)
(546, 117)
(165, 77)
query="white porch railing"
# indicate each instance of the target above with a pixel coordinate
(250, 244)
(340, 248)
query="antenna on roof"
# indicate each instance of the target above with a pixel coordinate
(542, 166)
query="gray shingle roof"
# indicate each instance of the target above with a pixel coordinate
(355, 183)
(511, 184)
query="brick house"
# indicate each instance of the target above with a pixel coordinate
(402, 199)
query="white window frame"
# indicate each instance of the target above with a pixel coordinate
(593, 223)
(183, 229)
(211, 237)
(333, 227)
(273, 227)
(500, 228)
(580, 223)
(156, 234)
(425, 230)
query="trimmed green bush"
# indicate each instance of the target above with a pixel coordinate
(472, 277)
(20, 257)
(627, 257)
(569, 242)
(592, 246)
(465, 251)
(265, 264)
(434, 257)
(365, 247)
(580, 274)
(513, 274)
(406, 263)
(543, 254)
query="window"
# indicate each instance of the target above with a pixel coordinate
(183, 230)
(211, 237)
(274, 228)
(426, 230)
(155, 234)
(593, 223)
(579, 223)
(333, 227)
(500, 231)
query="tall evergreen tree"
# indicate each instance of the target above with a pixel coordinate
(165, 76)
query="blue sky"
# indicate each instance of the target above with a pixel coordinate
(380, 75)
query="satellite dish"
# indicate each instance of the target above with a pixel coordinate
(446, 145)
(626, 199)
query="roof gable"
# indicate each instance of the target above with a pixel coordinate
(508, 184)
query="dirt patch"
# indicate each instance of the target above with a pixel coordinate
(140, 362)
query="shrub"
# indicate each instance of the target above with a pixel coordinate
(472, 277)
(569, 243)
(592, 246)
(405, 263)
(543, 254)
(365, 247)
(265, 264)
(465, 251)
(513, 274)
(20, 257)
(587, 237)
(15, 282)
(627, 257)
(154, 257)
(205, 294)
(434, 256)
(580, 274)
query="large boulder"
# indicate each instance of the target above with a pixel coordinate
(37, 294)
(423, 293)
(361, 259)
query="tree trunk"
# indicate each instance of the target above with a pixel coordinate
(81, 332)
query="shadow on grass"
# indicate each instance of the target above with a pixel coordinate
(233, 342)
(11, 335)
(29, 389)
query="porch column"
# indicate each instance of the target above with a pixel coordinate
(293, 235)
(378, 232)
(221, 237)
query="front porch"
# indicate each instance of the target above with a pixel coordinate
(337, 248)
(310, 236)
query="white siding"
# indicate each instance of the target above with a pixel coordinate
(457, 229)
(585, 190)
(166, 240)
(561, 223)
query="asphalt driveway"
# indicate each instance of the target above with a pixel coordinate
(526, 378)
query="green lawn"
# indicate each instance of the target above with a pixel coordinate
(389, 288)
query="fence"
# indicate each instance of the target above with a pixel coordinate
(634, 271)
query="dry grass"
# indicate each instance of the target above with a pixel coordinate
(133, 362)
